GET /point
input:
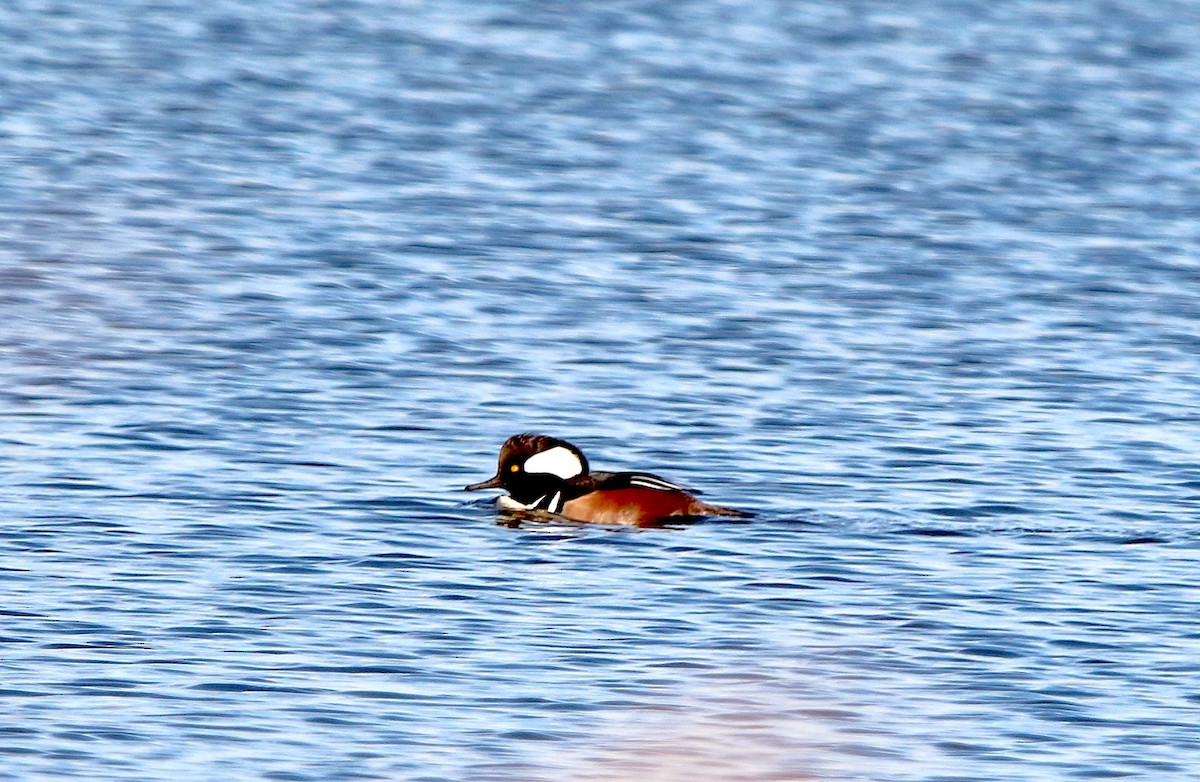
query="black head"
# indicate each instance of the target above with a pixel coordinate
(533, 464)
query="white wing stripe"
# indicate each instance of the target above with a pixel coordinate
(650, 482)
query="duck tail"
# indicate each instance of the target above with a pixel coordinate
(704, 509)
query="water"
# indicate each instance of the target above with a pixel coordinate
(917, 284)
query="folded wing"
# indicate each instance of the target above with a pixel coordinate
(607, 481)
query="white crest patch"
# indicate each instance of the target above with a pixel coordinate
(555, 461)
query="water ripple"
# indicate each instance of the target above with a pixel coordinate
(916, 285)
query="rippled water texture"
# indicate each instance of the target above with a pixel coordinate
(917, 283)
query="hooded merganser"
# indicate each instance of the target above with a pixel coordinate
(543, 473)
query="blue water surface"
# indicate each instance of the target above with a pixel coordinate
(919, 284)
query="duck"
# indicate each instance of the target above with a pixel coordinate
(549, 475)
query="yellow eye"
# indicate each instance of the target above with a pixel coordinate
(515, 468)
